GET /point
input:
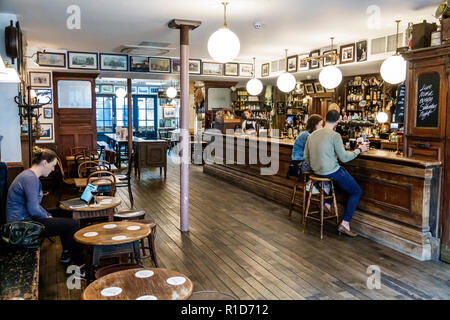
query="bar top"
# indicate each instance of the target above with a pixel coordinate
(372, 154)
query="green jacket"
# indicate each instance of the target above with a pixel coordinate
(323, 149)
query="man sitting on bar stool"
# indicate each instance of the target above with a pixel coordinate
(323, 149)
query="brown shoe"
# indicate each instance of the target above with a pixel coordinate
(345, 231)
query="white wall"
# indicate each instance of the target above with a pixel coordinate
(9, 113)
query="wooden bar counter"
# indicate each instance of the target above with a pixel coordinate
(399, 206)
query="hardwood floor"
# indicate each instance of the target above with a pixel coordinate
(245, 245)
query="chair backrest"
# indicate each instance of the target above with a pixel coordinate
(105, 181)
(103, 165)
(110, 156)
(131, 163)
(60, 166)
(75, 150)
(86, 168)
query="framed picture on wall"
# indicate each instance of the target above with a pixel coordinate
(113, 62)
(106, 88)
(82, 60)
(246, 69)
(309, 88)
(291, 64)
(231, 69)
(139, 64)
(51, 59)
(318, 87)
(195, 66)
(46, 131)
(347, 53)
(314, 64)
(169, 112)
(328, 61)
(44, 96)
(265, 70)
(361, 51)
(142, 90)
(40, 79)
(212, 68)
(48, 113)
(160, 65)
(176, 65)
(303, 64)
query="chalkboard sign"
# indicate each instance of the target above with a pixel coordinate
(428, 100)
(400, 106)
(280, 107)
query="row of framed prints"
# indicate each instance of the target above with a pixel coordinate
(123, 62)
(46, 132)
(353, 52)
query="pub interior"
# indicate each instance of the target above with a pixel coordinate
(220, 97)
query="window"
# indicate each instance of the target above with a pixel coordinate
(104, 114)
(146, 109)
(121, 112)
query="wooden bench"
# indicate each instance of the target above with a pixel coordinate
(19, 274)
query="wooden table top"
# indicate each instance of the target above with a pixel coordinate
(140, 284)
(112, 233)
(115, 201)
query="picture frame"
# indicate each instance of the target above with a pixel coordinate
(133, 90)
(107, 89)
(318, 87)
(51, 59)
(139, 64)
(113, 62)
(176, 65)
(40, 79)
(274, 66)
(245, 69)
(82, 60)
(326, 61)
(169, 112)
(74, 94)
(195, 66)
(314, 64)
(309, 88)
(142, 90)
(302, 65)
(265, 70)
(44, 96)
(329, 90)
(347, 53)
(231, 69)
(159, 65)
(47, 131)
(212, 68)
(291, 64)
(48, 113)
(361, 51)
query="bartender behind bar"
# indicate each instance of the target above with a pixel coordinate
(248, 125)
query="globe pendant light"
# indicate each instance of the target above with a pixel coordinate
(393, 69)
(330, 77)
(224, 45)
(254, 86)
(121, 93)
(286, 81)
(171, 92)
(382, 117)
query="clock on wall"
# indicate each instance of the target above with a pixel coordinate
(11, 42)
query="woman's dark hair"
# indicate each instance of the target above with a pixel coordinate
(312, 122)
(40, 154)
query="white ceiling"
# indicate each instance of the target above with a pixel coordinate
(299, 26)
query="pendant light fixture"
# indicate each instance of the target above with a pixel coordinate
(171, 92)
(254, 86)
(224, 45)
(393, 69)
(121, 93)
(286, 81)
(382, 117)
(330, 77)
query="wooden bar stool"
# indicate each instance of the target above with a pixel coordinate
(319, 183)
(305, 175)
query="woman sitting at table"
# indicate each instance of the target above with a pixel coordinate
(24, 203)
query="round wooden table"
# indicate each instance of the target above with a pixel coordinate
(106, 209)
(111, 239)
(140, 284)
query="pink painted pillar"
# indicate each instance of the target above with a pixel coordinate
(184, 26)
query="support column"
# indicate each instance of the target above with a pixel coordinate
(130, 120)
(184, 26)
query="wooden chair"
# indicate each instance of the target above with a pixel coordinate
(103, 179)
(101, 272)
(65, 180)
(76, 150)
(110, 156)
(124, 180)
(319, 184)
(87, 167)
(103, 165)
(305, 175)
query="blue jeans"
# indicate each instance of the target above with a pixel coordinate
(343, 181)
